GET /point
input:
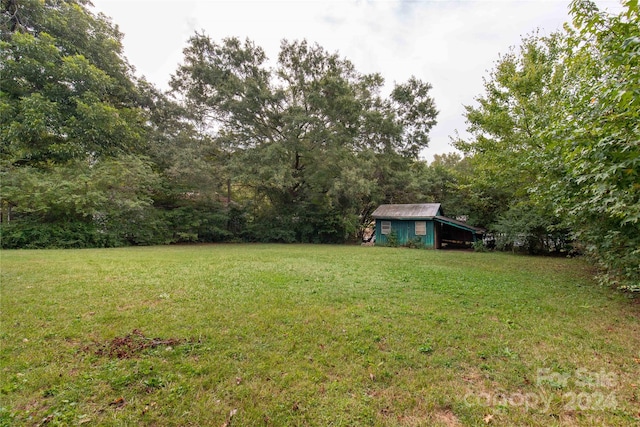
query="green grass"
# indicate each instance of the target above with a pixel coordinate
(312, 335)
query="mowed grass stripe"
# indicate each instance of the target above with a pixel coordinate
(312, 335)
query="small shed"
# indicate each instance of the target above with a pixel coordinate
(421, 224)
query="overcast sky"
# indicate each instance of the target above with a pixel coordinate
(450, 44)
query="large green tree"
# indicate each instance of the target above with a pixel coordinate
(307, 140)
(190, 204)
(67, 91)
(508, 146)
(597, 138)
(69, 114)
(555, 138)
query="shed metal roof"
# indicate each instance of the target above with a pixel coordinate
(407, 211)
(460, 224)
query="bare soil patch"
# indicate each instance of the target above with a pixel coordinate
(131, 345)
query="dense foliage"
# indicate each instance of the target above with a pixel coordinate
(599, 186)
(555, 147)
(304, 148)
(71, 130)
(93, 156)
(312, 146)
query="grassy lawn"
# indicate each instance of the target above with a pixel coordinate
(287, 335)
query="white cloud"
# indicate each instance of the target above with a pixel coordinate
(451, 44)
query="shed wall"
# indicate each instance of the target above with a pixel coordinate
(405, 230)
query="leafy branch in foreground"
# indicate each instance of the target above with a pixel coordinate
(555, 144)
(600, 130)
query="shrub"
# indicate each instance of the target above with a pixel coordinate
(478, 246)
(27, 234)
(392, 239)
(415, 243)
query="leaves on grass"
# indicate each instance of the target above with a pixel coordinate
(118, 403)
(231, 414)
(47, 419)
(149, 407)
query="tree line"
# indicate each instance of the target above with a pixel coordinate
(305, 150)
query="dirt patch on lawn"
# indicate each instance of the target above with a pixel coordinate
(132, 344)
(447, 418)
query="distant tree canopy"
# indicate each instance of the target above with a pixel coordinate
(304, 148)
(93, 156)
(311, 143)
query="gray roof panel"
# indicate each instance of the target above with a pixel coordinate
(407, 211)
